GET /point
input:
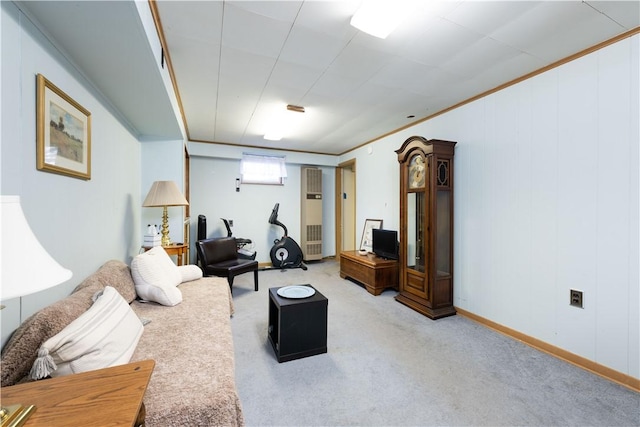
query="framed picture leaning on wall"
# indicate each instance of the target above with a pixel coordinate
(366, 243)
(63, 134)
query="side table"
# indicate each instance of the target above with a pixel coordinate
(297, 327)
(110, 396)
(178, 249)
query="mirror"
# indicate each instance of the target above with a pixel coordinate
(415, 231)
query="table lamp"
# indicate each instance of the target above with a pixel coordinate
(25, 268)
(163, 194)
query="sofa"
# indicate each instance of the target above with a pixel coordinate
(193, 382)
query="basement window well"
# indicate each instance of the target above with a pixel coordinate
(261, 169)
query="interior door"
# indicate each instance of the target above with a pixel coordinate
(346, 207)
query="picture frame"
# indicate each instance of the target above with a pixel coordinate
(366, 243)
(63, 132)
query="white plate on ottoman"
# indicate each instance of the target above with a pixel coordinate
(296, 291)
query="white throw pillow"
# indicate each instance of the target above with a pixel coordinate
(105, 335)
(189, 272)
(156, 276)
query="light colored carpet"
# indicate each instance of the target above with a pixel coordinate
(390, 366)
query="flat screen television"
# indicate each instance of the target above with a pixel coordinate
(385, 243)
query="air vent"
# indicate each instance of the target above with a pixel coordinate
(311, 213)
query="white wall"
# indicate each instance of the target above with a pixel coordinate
(162, 161)
(377, 184)
(80, 223)
(546, 200)
(215, 167)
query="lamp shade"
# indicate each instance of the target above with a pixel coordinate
(164, 193)
(25, 266)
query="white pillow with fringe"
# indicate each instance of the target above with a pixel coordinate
(105, 335)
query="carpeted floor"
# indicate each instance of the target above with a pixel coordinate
(387, 365)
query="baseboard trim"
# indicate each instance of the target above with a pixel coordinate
(579, 361)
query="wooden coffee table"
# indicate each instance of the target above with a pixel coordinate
(111, 396)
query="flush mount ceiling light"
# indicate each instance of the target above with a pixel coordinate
(379, 17)
(283, 122)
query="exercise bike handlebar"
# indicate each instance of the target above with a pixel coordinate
(273, 219)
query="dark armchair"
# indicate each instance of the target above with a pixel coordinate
(219, 257)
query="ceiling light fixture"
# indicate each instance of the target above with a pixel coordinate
(380, 17)
(273, 136)
(283, 122)
(295, 108)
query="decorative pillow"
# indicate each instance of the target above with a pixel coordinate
(189, 272)
(20, 352)
(105, 335)
(156, 277)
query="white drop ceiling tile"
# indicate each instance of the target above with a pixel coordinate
(310, 48)
(543, 31)
(321, 102)
(244, 68)
(194, 61)
(570, 41)
(335, 86)
(194, 20)
(292, 80)
(485, 17)
(242, 100)
(441, 41)
(358, 62)
(358, 129)
(627, 13)
(437, 81)
(419, 107)
(329, 17)
(370, 94)
(366, 42)
(533, 24)
(279, 10)
(249, 32)
(183, 48)
(483, 54)
(403, 73)
(231, 122)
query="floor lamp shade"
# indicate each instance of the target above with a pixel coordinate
(26, 267)
(163, 194)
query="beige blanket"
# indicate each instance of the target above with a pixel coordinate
(193, 383)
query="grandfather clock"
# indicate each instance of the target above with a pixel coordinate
(426, 226)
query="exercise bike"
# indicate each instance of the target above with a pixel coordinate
(286, 252)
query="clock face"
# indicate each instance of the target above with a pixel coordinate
(416, 172)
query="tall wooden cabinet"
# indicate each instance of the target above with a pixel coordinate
(426, 226)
